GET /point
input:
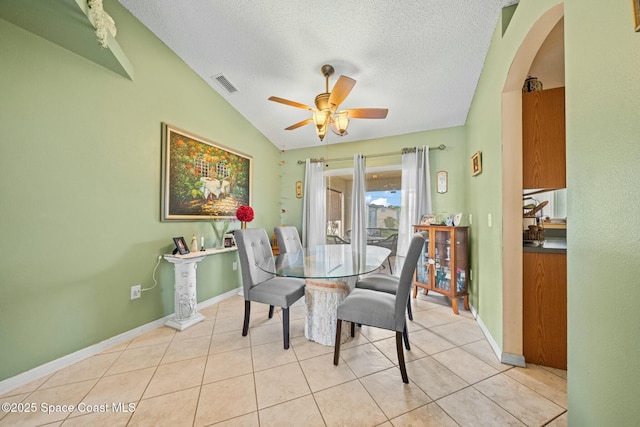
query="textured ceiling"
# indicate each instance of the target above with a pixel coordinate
(421, 59)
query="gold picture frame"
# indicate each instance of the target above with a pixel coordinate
(476, 163)
(636, 14)
(442, 182)
(201, 179)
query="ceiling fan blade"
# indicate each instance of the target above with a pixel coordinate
(299, 124)
(367, 113)
(340, 90)
(290, 103)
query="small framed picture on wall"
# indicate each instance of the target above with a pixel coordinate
(476, 163)
(636, 14)
(442, 181)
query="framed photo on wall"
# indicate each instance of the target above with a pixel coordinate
(476, 163)
(202, 179)
(636, 14)
(442, 181)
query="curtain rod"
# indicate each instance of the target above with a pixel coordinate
(337, 159)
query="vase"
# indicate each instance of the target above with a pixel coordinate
(220, 243)
(243, 224)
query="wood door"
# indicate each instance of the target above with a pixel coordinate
(544, 309)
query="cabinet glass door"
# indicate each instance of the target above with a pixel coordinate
(461, 261)
(422, 268)
(442, 257)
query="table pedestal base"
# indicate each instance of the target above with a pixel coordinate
(323, 296)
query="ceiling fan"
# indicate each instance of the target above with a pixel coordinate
(326, 114)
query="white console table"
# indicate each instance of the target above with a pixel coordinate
(185, 300)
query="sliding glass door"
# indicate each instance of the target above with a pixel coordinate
(383, 188)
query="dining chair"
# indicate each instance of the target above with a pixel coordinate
(390, 243)
(335, 240)
(254, 248)
(288, 239)
(381, 309)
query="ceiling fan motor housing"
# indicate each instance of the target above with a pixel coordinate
(322, 102)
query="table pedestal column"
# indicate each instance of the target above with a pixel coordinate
(323, 296)
(185, 300)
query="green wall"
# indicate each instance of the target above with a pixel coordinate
(452, 159)
(80, 190)
(603, 149)
(602, 104)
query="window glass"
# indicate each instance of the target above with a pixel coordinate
(383, 195)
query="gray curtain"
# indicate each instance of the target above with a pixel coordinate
(314, 211)
(416, 197)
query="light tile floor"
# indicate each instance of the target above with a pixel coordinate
(210, 375)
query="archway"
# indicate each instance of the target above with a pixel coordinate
(512, 351)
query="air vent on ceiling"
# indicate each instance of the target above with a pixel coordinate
(226, 84)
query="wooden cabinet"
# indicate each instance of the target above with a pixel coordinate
(443, 266)
(543, 139)
(544, 309)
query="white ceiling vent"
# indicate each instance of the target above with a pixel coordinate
(226, 84)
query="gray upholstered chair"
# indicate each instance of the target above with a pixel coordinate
(288, 239)
(381, 309)
(254, 248)
(384, 282)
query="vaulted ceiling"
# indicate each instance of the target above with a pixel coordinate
(421, 59)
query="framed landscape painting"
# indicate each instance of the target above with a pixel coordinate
(202, 179)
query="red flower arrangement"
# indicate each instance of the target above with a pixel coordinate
(244, 214)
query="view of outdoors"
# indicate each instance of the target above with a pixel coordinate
(383, 200)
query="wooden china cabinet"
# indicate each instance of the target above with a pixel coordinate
(443, 266)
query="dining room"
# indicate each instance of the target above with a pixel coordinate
(88, 120)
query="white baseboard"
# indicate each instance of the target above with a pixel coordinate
(507, 358)
(68, 360)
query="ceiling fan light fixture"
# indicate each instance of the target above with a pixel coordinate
(320, 118)
(341, 121)
(321, 131)
(325, 114)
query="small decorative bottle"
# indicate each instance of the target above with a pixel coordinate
(194, 243)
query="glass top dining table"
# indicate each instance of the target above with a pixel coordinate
(330, 273)
(327, 262)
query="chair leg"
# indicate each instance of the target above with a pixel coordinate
(285, 327)
(390, 269)
(336, 349)
(353, 329)
(403, 368)
(405, 335)
(409, 311)
(247, 313)
(270, 311)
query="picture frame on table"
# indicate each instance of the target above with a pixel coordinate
(476, 163)
(202, 179)
(427, 219)
(181, 246)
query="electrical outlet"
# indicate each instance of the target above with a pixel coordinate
(489, 220)
(470, 219)
(136, 291)
(470, 275)
(235, 265)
